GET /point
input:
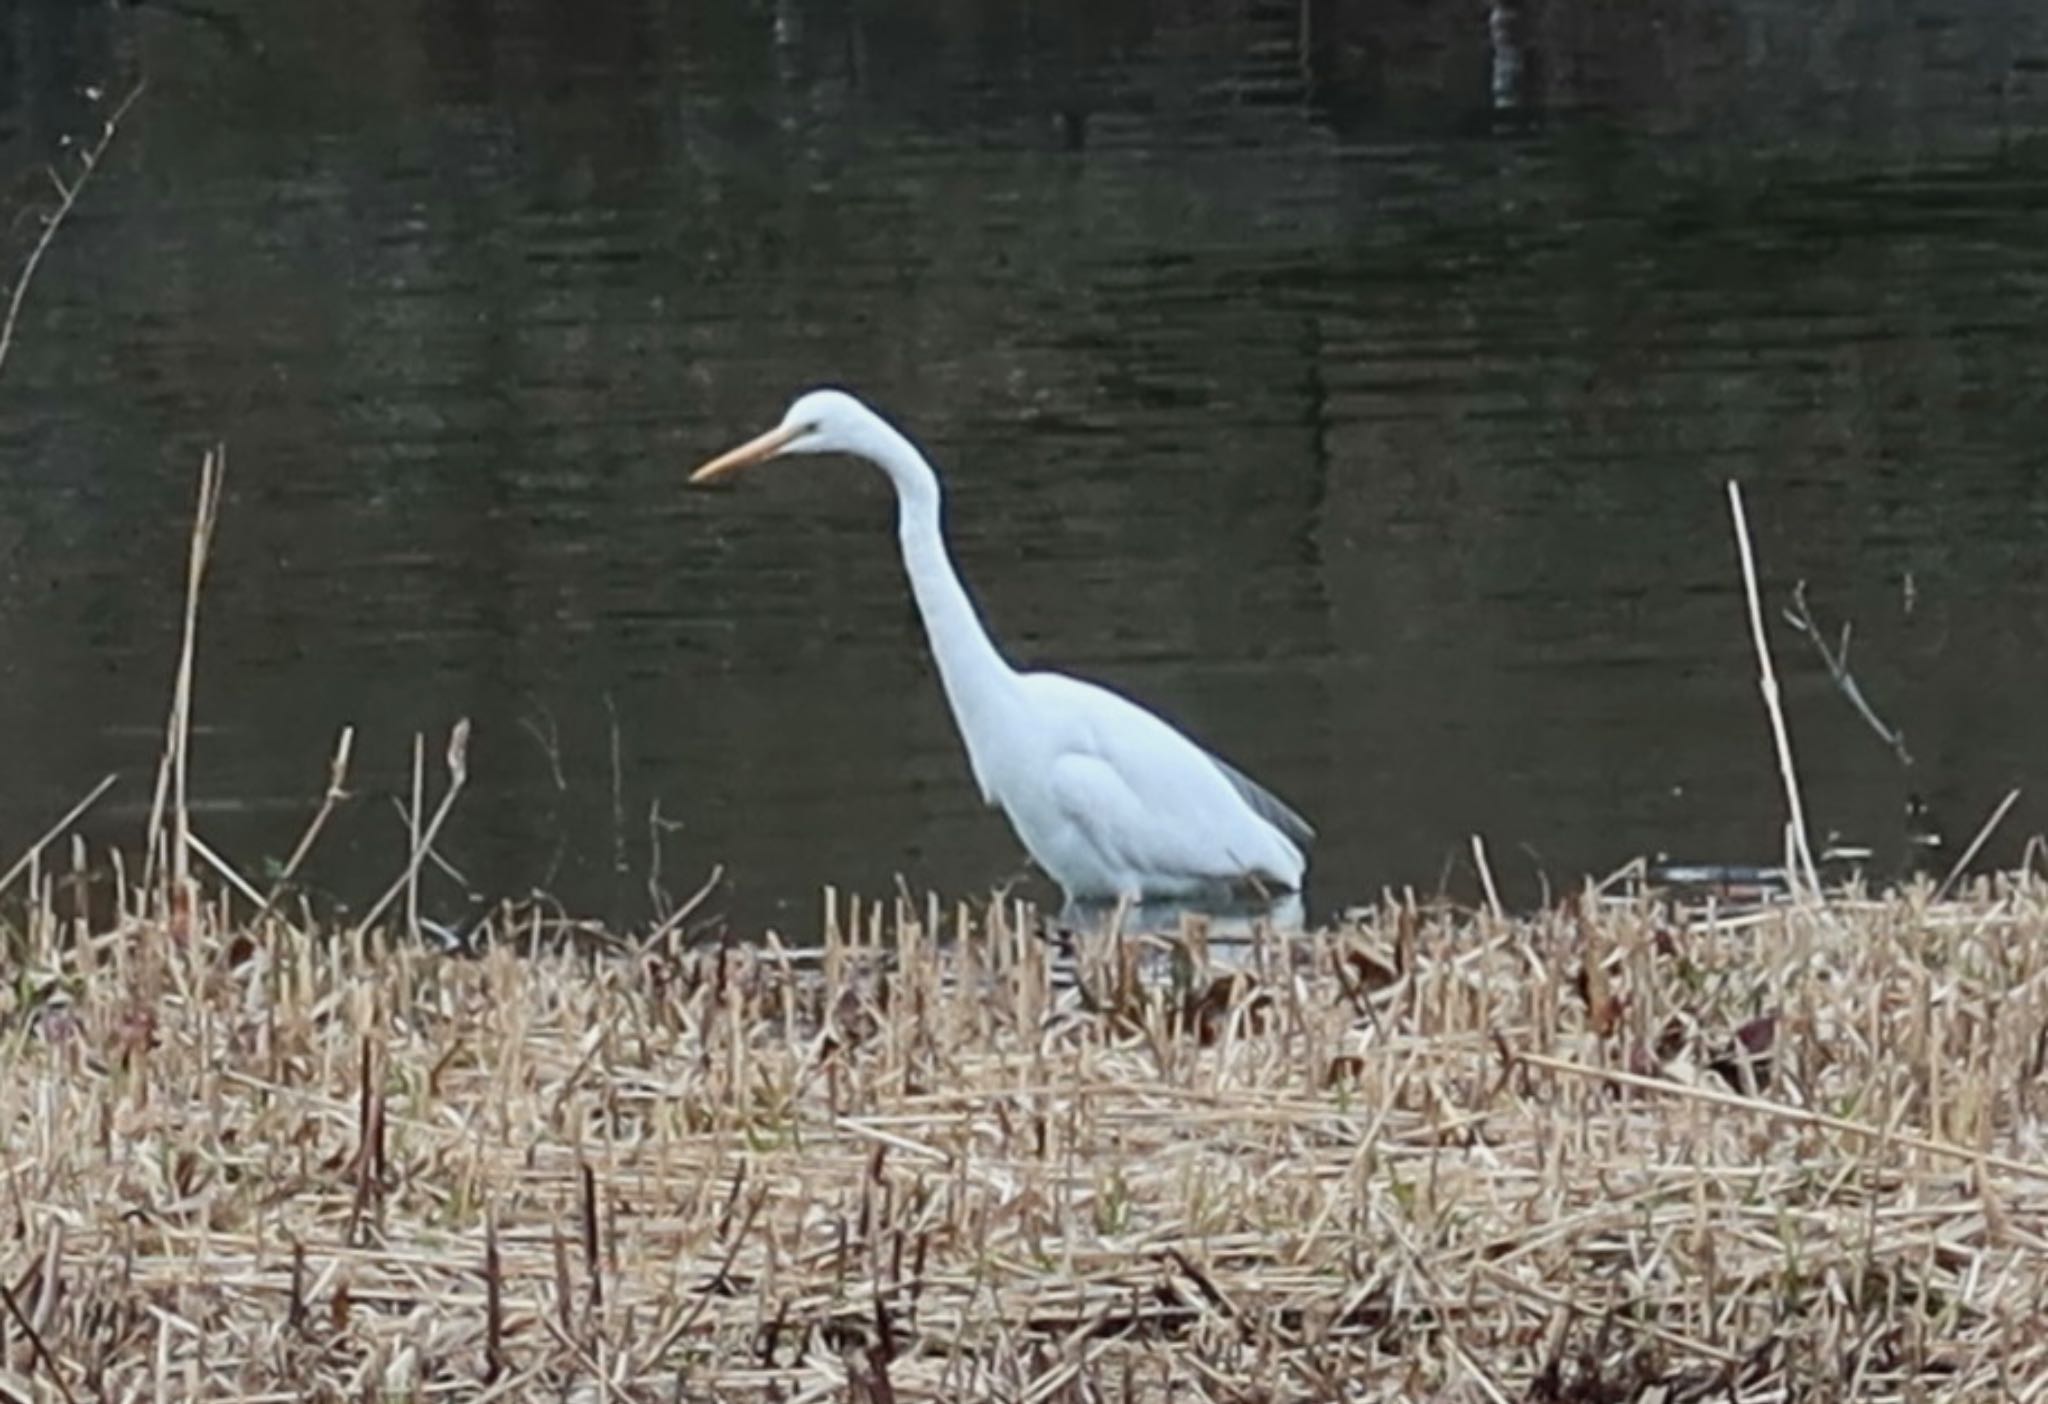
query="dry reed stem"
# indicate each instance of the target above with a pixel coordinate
(414, 848)
(171, 773)
(337, 791)
(50, 835)
(1799, 865)
(1406, 1158)
(674, 920)
(457, 761)
(1969, 855)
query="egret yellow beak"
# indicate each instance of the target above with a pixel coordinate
(755, 450)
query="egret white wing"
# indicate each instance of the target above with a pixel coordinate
(1146, 801)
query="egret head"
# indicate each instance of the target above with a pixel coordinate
(823, 421)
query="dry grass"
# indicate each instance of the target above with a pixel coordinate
(1615, 1151)
(1619, 1150)
(1430, 1155)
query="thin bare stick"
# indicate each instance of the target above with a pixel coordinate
(618, 790)
(1836, 661)
(732, 1252)
(221, 866)
(1801, 867)
(657, 896)
(170, 781)
(550, 742)
(67, 197)
(1983, 836)
(35, 1340)
(419, 805)
(1798, 1115)
(337, 778)
(455, 874)
(681, 914)
(458, 774)
(1486, 877)
(70, 817)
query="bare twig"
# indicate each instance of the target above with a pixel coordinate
(67, 197)
(1836, 661)
(1801, 867)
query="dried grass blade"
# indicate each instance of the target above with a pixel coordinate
(51, 834)
(1876, 1135)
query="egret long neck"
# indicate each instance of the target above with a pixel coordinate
(980, 684)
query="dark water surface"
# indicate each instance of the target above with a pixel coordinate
(1359, 395)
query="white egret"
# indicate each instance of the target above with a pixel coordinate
(1109, 799)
